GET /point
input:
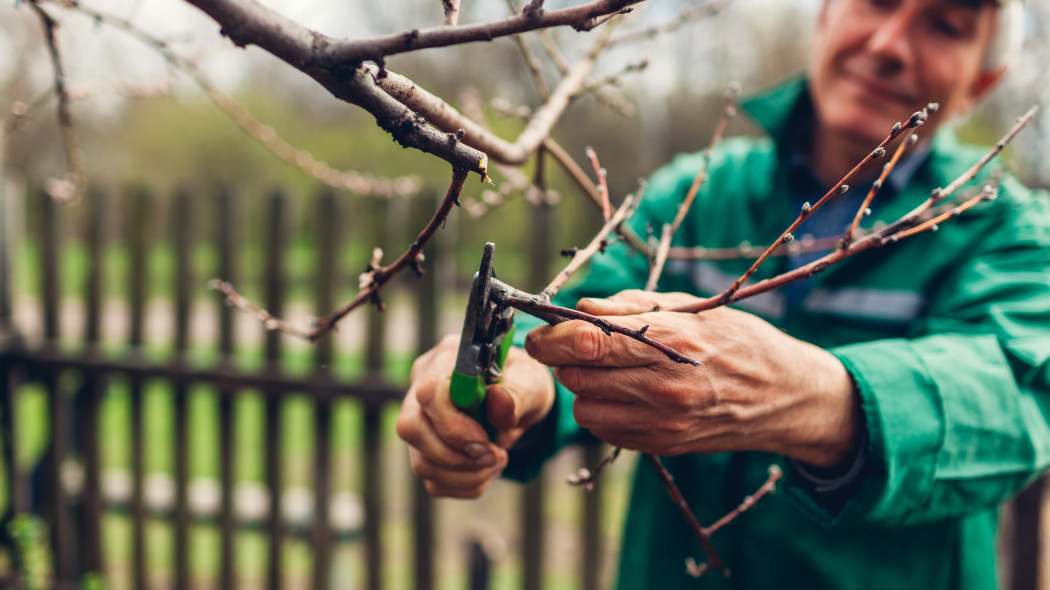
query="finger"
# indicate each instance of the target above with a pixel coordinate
(603, 417)
(625, 385)
(581, 343)
(415, 428)
(452, 425)
(459, 484)
(633, 301)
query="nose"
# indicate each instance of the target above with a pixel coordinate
(891, 42)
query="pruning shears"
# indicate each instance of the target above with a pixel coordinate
(487, 332)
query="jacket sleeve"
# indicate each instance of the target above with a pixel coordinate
(957, 416)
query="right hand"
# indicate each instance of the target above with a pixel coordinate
(450, 451)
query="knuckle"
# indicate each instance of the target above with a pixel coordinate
(405, 427)
(425, 392)
(582, 414)
(589, 343)
(571, 377)
(423, 468)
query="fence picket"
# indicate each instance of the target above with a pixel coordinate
(227, 206)
(276, 237)
(57, 403)
(181, 240)
(139, 210)
(427, 294)
(375, 357)
(328, 219)
(94, 385)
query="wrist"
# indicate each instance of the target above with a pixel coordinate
(829, 434)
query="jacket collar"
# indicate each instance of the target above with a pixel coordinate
(774, 109)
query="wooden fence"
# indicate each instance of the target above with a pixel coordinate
(75, 369)
(76, 366)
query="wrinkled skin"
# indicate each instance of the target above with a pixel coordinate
(757, 389)
(449, 451)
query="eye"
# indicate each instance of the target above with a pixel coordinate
(948, 28)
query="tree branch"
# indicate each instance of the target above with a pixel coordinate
(71, 187)
(378, 277)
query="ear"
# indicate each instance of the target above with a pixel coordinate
(984, 83)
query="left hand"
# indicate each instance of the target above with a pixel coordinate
(757, 389)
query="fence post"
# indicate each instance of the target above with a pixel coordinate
(10, 343)
(438, 253)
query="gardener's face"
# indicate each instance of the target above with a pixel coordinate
(875, 62)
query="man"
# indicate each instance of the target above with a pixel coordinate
(904, 390)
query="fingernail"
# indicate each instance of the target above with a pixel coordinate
(487, 461)
(475, 449)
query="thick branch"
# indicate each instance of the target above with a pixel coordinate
(247, 22)
(444, 116)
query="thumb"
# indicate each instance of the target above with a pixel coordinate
(503, 409)
(523, 395)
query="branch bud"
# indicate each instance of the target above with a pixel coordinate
(844, 188)
(896, 128)
(788, 238)
(878, 153)
(806, 208)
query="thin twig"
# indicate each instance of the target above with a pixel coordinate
(535, 67)
(670, 229)
(371, 281)
(586, 478)
(889, 234)
(597, 243)
(804, 245)
(688, 13)
(269, 320)
(865, 207)
(554, 314)
(713, 559)
(916, 120)
(70, 188)
(768, 487)
(610, 100)
(584, 183)
(410, 258)
(989, 193)
(603, 184)
(451, 8)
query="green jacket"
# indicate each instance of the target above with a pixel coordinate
(947, 335)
